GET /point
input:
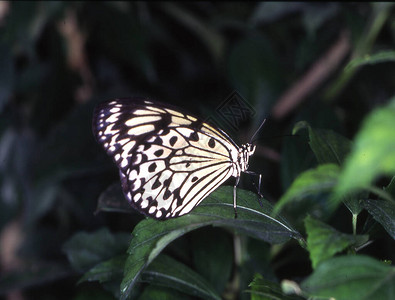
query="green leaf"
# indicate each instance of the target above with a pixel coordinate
(166, 271)
(107, 270)
(383, 211)
(351, 277)
(85, 250)
(380, 57)
(328, 146)
(296, 157)
(323, 241)
(113, 200)
(150, 236)
(319, 180)
(390, 189)
(212, 256)
(163, 271)
(161, 293)
(373, 152)
(263, 289)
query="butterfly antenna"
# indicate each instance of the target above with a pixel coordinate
(252, 140)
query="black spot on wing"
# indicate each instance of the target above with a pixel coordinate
(144, 158)
(176, 195)
(167, 182)
(156, 184)
(158, 140)
(158, 153)
(211, 143)
(152, 167)
(194, 137)
(173, 140)
(166, 195)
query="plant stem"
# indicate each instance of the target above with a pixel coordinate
(354, 223)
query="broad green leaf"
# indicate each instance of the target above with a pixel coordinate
(85, 250)
(323, 241)
(380, 57)
(113, 200)
(373, 152)
(150, 236)
(163, 271)
(212, 256)
(383, 211)
(319, 180)
(107, 270)
(256, 258)
(328, 146)
(351, 277)
(263, 289)
(390, 189)
(166, 271)
(162, 293)
(296, 157)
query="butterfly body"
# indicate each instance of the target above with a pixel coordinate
(168, 160)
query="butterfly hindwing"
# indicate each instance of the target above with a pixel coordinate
(168, 160)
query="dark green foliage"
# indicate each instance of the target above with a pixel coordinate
(326, 226)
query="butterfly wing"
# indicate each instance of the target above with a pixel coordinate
(168, 161)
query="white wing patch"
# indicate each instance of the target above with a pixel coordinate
(142, 129)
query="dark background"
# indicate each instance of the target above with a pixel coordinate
(58, 60)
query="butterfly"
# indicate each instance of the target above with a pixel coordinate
(168, 160)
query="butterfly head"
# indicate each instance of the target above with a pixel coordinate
(250, 148)
(245, 152)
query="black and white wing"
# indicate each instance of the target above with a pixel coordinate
(168, 161)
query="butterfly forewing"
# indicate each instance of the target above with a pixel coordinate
(168, 161)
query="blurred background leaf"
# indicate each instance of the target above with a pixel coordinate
(356, 277)
(329, 65)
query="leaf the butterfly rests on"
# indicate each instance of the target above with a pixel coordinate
(168, 161)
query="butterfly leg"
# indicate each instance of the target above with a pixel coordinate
(234, 196)
(259, 185)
